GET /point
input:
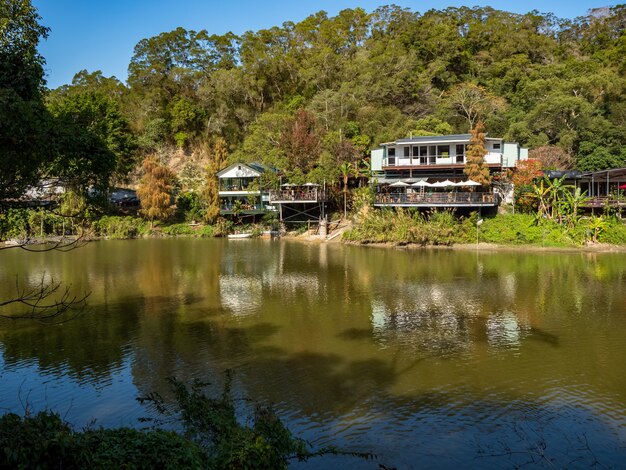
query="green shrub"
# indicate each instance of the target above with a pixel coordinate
(43, 222)
(178, 230)
(14, 224)
(189, 207)
(615, 233)
(207, 231)
(121, 227)
(46, 441)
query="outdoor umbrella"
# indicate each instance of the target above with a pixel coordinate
(440, 184)
(399, 184)
(469, 183)
(421, 184)
(449, 183)
(623, 186)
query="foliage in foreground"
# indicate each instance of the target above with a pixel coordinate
(46, 441)
(213, 438)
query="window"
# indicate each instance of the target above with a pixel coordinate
(443, 151)
(406, 151)
(460, 153)
(496, 146)
(391, 156)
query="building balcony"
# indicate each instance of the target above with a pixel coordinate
(438, 199)
(297, 195)
(238, 191)
(491, 159)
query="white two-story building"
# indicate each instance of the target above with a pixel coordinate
(428, 171)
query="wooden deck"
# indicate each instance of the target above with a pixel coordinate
(459, 199)
(298, 196)
(598, 202)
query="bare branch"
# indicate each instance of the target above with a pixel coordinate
(47, 301)
(48, 244)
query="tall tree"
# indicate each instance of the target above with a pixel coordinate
(211, 186)
(155, 190)
(24, 122)
(301, 141)
(473, 102)
(552, 157)
(475, 168)
(94, 141)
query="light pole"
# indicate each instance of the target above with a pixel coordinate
(478, 224)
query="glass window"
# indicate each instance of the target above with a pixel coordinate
(391, 152)
(443, 151)
(496, 146)
(407, 151)
(423, 151)
(460, 149)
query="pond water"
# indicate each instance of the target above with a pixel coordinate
(422, 357)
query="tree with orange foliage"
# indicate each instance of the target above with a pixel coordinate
(526, 174)
(475, 168)
(155, 190)
(211, 192)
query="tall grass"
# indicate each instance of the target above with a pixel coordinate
(401, 227)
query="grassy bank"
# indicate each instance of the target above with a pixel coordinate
(402, 227)
(35, 224)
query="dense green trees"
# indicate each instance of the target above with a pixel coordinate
(291, 95)
(24, 122)
(77, 133)
(307, 97)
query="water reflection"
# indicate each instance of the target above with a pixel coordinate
(350, 343)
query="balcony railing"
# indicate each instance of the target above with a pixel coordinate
(602, 201)
(307, 195)
(459, 198)
(241, 207)
(238, 187)
(490, 158)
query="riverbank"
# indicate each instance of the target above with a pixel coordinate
(400, 228)
(493, 247)
(382, 228)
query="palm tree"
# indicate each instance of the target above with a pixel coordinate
(346, 170)
(541, 192)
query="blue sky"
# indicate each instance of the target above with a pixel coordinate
(101, 34)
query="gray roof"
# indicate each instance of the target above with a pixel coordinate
(610, 173)
(438, 138)
(256, 166)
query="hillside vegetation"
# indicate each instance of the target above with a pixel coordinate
(307, 97)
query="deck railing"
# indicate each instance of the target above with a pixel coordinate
(458, 198)
(602, 201)
(296, 194)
